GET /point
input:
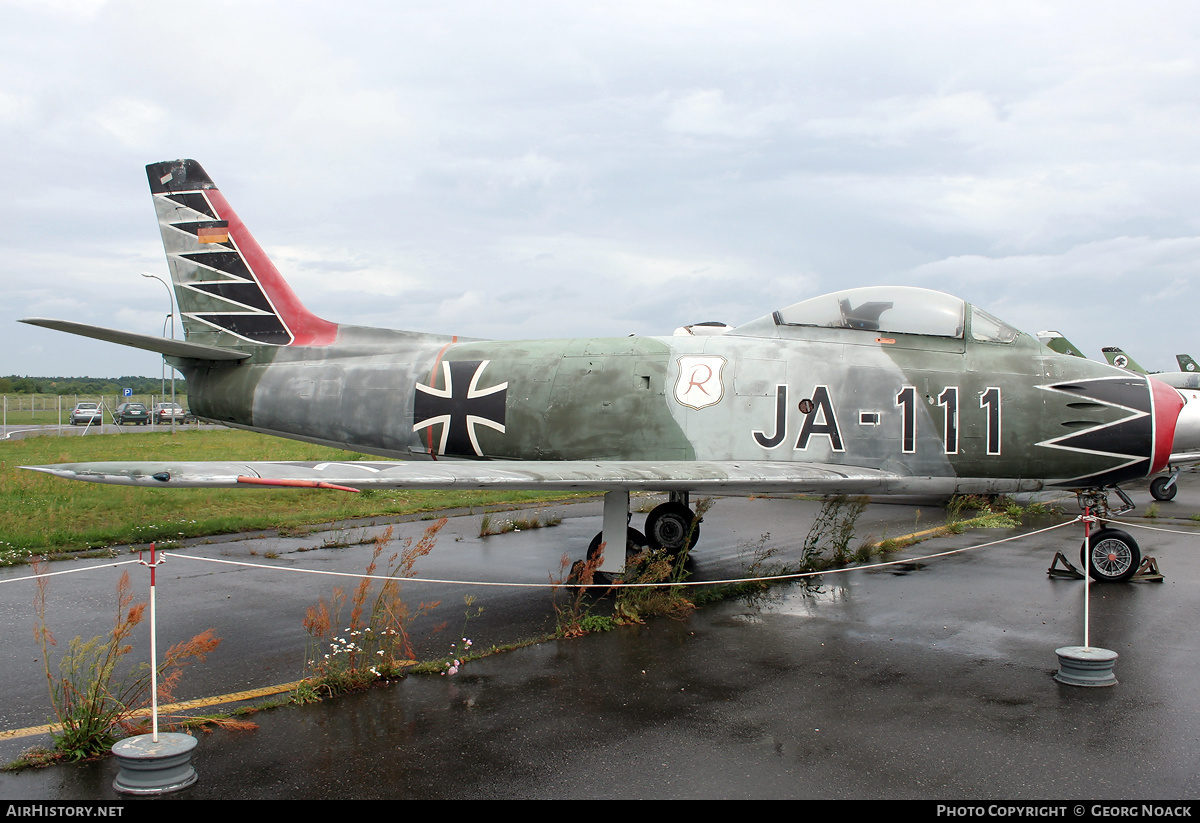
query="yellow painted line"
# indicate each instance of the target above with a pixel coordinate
(945, 528)
(266, 691)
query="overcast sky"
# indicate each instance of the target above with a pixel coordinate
(526, 169)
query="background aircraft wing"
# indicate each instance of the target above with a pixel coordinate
(730, 477)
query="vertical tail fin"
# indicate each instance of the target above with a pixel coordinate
(1121, 360)
(1186, 363)
(229, 292)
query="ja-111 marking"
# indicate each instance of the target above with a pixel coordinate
(872, 390)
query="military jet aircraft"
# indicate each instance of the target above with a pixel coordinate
(879, 390)
(1186, 363)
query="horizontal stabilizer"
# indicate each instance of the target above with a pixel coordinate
(162, 345)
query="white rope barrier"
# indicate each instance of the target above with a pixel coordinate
(552, 585)
(1151, 528)
(728, 581)
(71, 571)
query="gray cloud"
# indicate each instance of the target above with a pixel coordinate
(538, 169)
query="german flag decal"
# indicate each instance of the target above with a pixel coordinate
(216, 232)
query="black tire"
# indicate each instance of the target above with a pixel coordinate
(1160, 491)
(668, 526)
(635, 541)
(1115, 556)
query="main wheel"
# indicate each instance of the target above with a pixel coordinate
(1115, 556)
(668, 527)
(635, 541)
(1159, 489)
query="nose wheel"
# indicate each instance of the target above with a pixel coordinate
(1114, 556)
(1164, 488)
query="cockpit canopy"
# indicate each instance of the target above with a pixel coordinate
(892, 310)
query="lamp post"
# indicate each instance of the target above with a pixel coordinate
(171, 299)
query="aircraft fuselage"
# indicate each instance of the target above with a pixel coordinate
(909, 404)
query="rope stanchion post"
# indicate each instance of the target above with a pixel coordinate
(153, 763)
(1086, 665)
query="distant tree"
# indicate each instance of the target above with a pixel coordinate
(14, 384)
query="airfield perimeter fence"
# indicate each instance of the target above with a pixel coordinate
(55, 409)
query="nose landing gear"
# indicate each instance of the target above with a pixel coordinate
(1111, 555)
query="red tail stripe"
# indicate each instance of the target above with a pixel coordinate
(1166, 405)
(307, 329)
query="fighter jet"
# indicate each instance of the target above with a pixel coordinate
(880, 390)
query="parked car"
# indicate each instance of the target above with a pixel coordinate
(86, 413)
(131, 413)
(166, 412)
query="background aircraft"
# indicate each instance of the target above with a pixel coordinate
(1121, 360)
(875, 390)
(1186, 363)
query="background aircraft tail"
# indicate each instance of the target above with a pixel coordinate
(1186, 363)
(229, 292)
(1121, 360)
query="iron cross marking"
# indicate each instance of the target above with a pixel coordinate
(460, 407)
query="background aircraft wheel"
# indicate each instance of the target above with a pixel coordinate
(635, 541)
(1160, 491)
(667, 527)
(1115, 556)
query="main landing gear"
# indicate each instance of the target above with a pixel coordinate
(671, 526)
(1111, 555)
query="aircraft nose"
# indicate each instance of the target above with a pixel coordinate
(1187, 424)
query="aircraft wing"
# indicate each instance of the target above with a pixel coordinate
(729, 477)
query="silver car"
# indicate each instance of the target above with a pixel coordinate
(166, 412)
(86, 413)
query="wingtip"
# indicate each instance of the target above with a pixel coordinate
(57, 471)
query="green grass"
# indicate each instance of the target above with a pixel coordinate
(41, 514)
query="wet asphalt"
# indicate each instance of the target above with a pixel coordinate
(932, 680)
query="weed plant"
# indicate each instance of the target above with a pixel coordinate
(490, 525)
(573, 597)
(376, 642)
(95, 694)
(828, 540)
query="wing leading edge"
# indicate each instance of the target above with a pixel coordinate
(728, 477)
